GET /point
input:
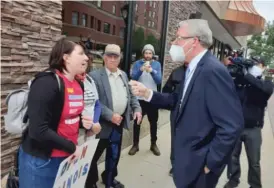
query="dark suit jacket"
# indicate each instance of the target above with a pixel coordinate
(104, 91)
(173, 86)
(208, 124)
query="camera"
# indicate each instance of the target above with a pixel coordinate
(236, 69)
(238, 64)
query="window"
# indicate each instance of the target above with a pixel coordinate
(152, 24)
(145, 13)
(113, 30)
(107, 28)
(92, 22)
(84, 20)
(122, 32)
(113, 9)
(98, 25)
(150, 3)
(153, 15)
(99, 3)
(149, 13)
(136, 8)
(154, 4)
(149, 23)
(74, 18)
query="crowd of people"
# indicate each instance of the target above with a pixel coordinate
(208, 118)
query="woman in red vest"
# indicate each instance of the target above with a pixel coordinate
(54, 111)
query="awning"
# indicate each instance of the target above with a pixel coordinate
(242, 19)
(219, 31)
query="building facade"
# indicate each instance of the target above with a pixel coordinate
(102, 21)
(29, 29)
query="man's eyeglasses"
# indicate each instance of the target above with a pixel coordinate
(180, 38)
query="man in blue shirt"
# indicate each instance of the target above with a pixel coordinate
(148, 72)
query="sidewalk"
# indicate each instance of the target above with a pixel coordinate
(148, 171)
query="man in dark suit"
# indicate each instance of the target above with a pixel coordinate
(118, 105)
(208, 118)
(173, 85)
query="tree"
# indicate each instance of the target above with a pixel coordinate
(138, 42)
(263, 44)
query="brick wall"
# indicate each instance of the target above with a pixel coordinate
(178, 11)
(28, 32)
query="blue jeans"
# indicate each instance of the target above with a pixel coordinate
(35, 172)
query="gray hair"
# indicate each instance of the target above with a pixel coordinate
(199, 28)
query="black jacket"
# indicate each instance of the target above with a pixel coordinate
(174, 80)
(256, 94)
(45, 106)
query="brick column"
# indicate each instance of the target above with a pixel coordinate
(29, 29)
(178, 11)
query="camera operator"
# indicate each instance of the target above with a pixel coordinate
(256, 94)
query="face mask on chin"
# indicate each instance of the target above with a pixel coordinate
(177, 53)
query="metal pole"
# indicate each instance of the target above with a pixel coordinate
(163, 34)
(128, 38)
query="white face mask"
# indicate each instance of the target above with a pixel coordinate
(177, 53)
(255, 71)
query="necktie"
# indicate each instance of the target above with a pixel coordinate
(187, 71)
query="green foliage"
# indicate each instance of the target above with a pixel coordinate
(263, 44)
(138, 41)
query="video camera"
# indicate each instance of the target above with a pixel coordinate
(237, 66)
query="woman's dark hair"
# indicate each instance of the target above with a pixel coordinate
(62, 46)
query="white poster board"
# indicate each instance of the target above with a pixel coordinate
(73, 174)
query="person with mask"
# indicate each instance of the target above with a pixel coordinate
(256, 94)
(208, 117)
(148, 72)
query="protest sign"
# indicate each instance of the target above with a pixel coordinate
(72, 173)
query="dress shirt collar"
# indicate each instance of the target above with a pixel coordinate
(194, 62)
(116, 74)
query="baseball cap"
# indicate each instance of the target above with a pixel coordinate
(113, 49)
(259, 59)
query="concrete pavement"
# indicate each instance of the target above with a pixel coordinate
(148, 171)
(271, 111)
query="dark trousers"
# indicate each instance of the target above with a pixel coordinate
(172, 129)
(252, 139)
(152, 115)
(209, 180)
(172, 147)
(113, 146)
